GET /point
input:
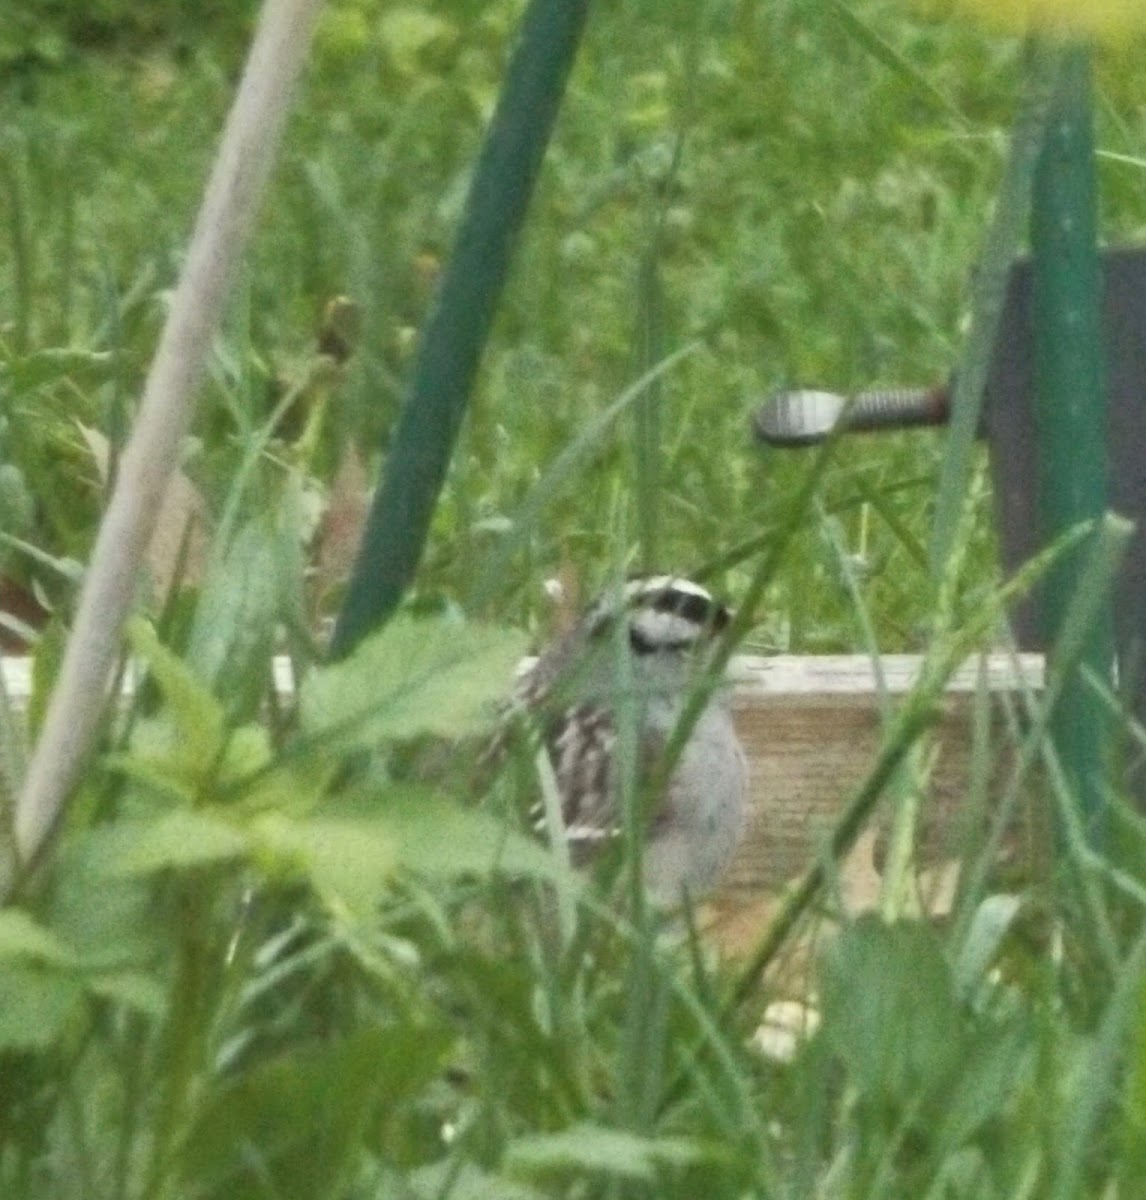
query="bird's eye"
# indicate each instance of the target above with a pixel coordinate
(640, 641)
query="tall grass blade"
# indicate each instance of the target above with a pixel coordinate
(573, 458)
(884, 52)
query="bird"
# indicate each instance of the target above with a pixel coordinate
(669, 628)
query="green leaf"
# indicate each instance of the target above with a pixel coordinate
(21, 937)
(54, 364)
(1134, 1104)
(349, 852)
(889, 1008)
(248, 752)
(596, 1149)
(190, 732)
(441, 839)
(410, 33)
(415, 676)
(294, 785)
(111, 921)
(175, 840)
(989, 926)
(35, 1006)
(232, 638)
(293, 1127)
(467, 1183)
(345, 858)
(169, 766)
(130, 988)
(995, 1065)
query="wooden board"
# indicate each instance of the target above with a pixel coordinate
(812, 726)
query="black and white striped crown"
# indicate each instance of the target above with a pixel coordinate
(664, 612)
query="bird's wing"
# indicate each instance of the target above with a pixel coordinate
(582, 745)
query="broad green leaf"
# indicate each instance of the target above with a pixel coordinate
(598, 1150)
(415, 676)
(159, 761)
(21, 937)
(348, 858)
(248, 751)
(35, 1006)
(350, 851)
(294, 1126)
(17, 507)
(141, 992)
(438, 838)
(195, 734)
(110, 921)
(293, 786)
(175, 840)
(1083, 20)
(168, 765)
(995, 1067)
(889, 1008)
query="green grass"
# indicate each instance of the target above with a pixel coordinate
(803, 239)
(202, 996)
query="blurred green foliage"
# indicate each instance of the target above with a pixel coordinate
(47, 32)
(275, 957)
(801, 186)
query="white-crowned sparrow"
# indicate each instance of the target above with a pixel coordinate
(670, 629)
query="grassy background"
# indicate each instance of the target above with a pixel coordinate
(803, 187)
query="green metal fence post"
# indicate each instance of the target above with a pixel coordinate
(1070, 407)
(459, 323)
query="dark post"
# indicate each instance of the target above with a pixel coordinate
(1070, 406)
(459, 324)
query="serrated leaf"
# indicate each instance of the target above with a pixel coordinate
(889, 1008)
(415, 676)
(35, 1006)
(195, 716)
(596, 1149)
(123, 927)
(177, 840)
(22, 937)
